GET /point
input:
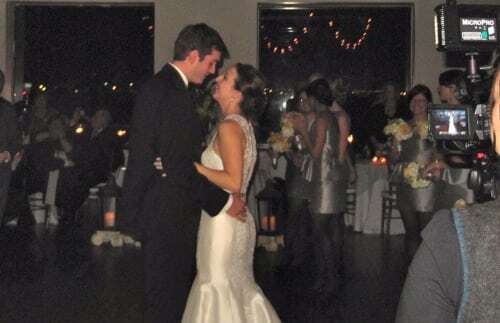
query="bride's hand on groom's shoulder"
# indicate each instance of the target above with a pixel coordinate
(238, 208)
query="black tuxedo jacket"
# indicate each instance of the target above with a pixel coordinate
(165, 124)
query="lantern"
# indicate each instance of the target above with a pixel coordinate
(107, 196)
(269, 199)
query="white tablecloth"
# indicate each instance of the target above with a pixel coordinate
(371, 181)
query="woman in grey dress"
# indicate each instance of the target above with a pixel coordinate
(298, 193)
(416, 205)
(330, 177)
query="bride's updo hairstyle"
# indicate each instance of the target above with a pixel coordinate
(251, 83)
(320, 90)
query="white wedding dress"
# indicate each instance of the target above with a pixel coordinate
(224, 290)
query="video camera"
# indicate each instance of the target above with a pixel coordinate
(468, 29)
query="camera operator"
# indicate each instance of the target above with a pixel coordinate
(455, 274)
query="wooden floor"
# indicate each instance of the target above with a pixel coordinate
(45, 277)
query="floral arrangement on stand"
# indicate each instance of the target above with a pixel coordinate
(115, 238)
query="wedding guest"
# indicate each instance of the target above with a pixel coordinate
(416, 195)
(344, 123)
(41, 113)
(298, 192)
(10, 145)
(97, 154)
(49, 154)
(383, 109)
(329, 183)
(454, 276)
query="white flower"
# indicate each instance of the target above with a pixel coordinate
(272, 246)
(117, 241)
(127, 239)
(287, 132)
(97, 239)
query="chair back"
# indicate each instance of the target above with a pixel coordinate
(50, 193)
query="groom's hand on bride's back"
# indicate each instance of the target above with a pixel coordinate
(238, 208)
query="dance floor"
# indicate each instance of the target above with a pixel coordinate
(47, 276)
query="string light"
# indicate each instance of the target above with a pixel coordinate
(289, 46)
(276, 48)
(353, 45)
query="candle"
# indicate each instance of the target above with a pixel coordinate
(264, 223)
(109, 219)
(272, 223)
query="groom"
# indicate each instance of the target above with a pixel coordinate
(164, 210)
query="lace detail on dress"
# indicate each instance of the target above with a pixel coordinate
(250, 156)
(225, 288)
(245, 234)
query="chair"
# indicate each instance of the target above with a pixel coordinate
(47, 201)
(351, 201)
(389, 203)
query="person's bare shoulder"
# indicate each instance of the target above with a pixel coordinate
(229, 128)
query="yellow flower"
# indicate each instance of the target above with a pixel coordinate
(411, 174)
(422, 129)
(399, 129)
(460, 204)
(278, 142)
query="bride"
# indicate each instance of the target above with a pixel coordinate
(224, 289)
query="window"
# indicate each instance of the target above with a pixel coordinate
(367, 46)
(91, 55)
